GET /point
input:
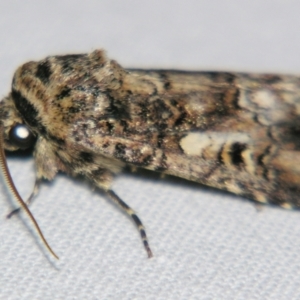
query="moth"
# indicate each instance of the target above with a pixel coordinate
(86, 115)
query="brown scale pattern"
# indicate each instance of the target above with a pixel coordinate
(232, 131)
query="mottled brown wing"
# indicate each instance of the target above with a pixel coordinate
(231, 131)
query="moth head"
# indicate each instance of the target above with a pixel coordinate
(21, 110)
(16, 134)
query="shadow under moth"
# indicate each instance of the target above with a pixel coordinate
(88, 116)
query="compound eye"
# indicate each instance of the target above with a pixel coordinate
(21, 136)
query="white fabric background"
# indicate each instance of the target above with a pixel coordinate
(207, 244)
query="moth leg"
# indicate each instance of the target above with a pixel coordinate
(112, 195)
(29, 199)
(259, 207)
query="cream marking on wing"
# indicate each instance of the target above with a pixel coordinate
(264, 98)
(248, 159)
(195, 143)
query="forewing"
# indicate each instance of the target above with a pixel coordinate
(230, 131)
